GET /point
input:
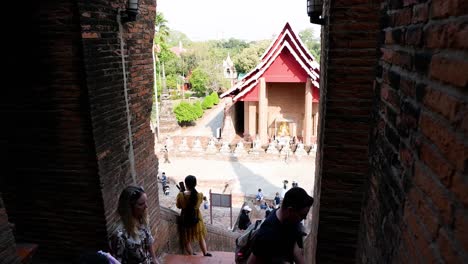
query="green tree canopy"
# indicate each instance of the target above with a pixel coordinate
(161, 28)
(250, 57)
(199, 81)
(186, 112)
(312, 43)
(175, 37)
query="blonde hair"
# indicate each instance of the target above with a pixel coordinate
(127, 202)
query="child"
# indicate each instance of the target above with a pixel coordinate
(259, 196)
(205, 203)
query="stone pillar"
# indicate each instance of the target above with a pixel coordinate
(308, 113)
(316, 124)
(252, 118)
(246, 118)
(263, 112)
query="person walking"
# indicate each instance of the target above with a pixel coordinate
(192, 227)
(279, 239)
(132, 241)
(166, 155)
(165, 187)
(285, 189)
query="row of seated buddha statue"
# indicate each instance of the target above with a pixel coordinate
(274, 147)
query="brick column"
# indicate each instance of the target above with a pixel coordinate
(308, 113)
(262, 112)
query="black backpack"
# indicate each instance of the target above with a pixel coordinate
(245, 241)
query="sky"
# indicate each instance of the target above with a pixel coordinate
(241, 19)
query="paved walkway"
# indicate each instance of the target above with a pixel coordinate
(242, 177)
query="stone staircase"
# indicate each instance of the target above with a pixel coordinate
(167, 120)
(218, 257)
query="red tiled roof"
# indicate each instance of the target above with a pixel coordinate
(286, 40)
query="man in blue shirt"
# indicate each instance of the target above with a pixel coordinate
(279, 238)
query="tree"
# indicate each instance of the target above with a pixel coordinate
(188, 63)
(161, 28)
(199, 81)
(175, 37)
(233, 45)
(311, 42)
(250, 57)
(215, 97)
(197, 108)
(185, 113)
(207, 103)
(171, 81)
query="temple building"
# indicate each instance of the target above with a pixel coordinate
(229, 70)
(279, 97)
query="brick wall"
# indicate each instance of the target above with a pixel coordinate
(68, 144)
(415, 206)
(349, 56)
(51, 189)
(105, 82)
(7, 241)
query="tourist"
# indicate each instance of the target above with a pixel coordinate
(269, 209)
(166, 155)
(277, 200)
(244, 219)
(192, 227)
(285, 188)
(206, 204)
(132, 241)
(259, 196)
(280, 236)
(295, 184)
(163, 179)
(165, 187)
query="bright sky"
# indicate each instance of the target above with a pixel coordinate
(241, 19)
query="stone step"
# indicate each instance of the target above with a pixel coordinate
(218, 257)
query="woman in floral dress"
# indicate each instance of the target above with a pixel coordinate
(132, 243)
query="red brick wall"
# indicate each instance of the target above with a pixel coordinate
(103, 67)
(415, 189)
(349, 56)
(51, 189)
(68, 144)
(415, 206)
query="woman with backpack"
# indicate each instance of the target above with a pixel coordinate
(192, 227)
